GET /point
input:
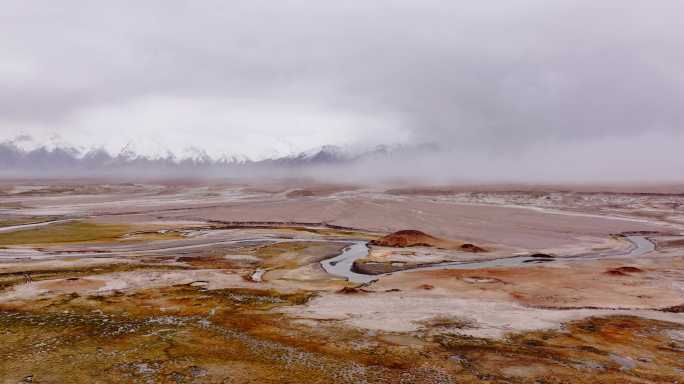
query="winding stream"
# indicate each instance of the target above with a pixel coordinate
(342, 265)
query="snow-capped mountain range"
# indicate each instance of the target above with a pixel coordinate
(22, 156)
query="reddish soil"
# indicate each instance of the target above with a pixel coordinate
(675, 309)
(415, 238)
(623, 271)
(472, 248)
(676, 243)
(408, 238)
(351, 290)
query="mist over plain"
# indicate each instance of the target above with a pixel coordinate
(525, 91)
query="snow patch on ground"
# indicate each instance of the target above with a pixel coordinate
(398, 312)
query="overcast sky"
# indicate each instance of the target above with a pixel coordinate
(266, 78)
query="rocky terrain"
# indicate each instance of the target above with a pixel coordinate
(206, 283)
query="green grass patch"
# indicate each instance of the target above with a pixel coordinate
(72, 232)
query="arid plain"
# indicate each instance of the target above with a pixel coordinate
(180, 282)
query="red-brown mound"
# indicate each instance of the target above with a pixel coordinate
(415, 238)
(472, 248)
(407, 238)
(623, 271)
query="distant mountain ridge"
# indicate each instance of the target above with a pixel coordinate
(46, 160)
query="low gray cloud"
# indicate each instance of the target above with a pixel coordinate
(504, 80)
